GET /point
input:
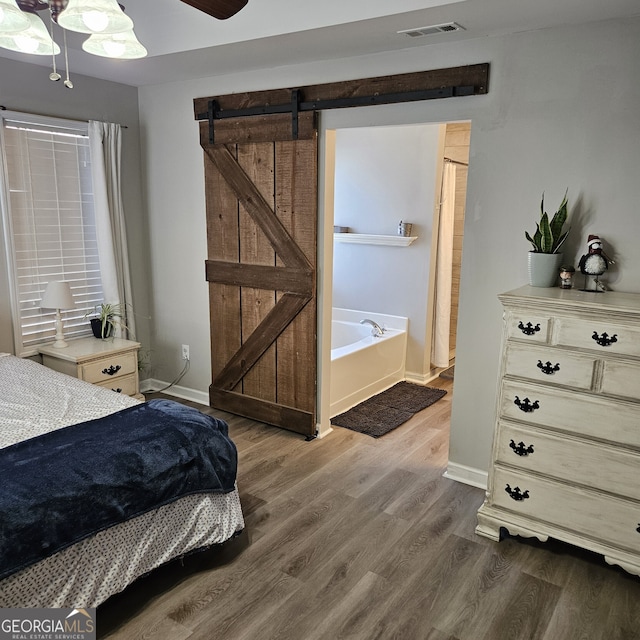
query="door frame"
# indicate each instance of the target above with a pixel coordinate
(328, 125)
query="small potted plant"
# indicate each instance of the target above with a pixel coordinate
(545, 257)
(108, 316)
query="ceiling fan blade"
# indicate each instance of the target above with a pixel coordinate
(221, 9)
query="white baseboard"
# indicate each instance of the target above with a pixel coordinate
(422, 378)
(151, 384)
(320, 432)
(416, 378)
(467, 475)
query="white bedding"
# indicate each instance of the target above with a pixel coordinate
(35, 400)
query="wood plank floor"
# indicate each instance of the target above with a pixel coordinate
(358, 538)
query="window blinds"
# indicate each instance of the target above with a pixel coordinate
(49, 201)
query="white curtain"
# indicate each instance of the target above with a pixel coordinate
(444, 261)
(105, 141)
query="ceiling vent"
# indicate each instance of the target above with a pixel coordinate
(433, 29)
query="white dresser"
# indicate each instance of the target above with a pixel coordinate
(566, 452)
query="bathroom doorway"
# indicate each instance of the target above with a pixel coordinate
(416, 174)
(398, 280)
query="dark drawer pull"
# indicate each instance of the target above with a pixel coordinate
(638, 529)
(521, 449)
(111, 371)
(526, 405)
(548, 368)
(604, 340)
(516, 494)
(118, 390)
(528, 329)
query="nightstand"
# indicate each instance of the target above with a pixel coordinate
(111, 363)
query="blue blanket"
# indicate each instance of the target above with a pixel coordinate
(64, 486)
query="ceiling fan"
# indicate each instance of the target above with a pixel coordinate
(221, 9)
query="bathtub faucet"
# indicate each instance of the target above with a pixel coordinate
(376, 329)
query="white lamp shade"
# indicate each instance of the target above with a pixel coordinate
(35, 39)
(94, 16)
(12, 20)
(123, 45)
(57, 295)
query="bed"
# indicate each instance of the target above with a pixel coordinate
(82, 558)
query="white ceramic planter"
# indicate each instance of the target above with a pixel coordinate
(544, 269)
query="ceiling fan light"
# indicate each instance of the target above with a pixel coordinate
(96, 21)
(12, 20)
(35, 39)
(123, 46)
(94, 16)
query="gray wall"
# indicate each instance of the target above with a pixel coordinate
(562, 111)
(26, 87)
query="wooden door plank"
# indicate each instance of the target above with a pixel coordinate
(256, 206)
(260, 340)
(296, 202)
(290, 418)
(222, 241)
(256, 162)
(266, 128)
(260, 277)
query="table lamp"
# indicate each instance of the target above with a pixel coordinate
(58, 296)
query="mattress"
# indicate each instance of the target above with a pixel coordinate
(36, 400)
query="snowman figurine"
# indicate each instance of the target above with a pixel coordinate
(594, 263)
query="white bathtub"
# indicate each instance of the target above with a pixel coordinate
(363, 365)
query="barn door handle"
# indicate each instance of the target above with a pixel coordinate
(526, 405)
(521, 449)
(604, 340)
(528, 329)
(516, 494)
(548, 368)
(111, 371)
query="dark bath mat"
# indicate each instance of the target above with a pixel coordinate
(387, 410)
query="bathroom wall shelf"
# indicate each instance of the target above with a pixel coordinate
(367, 238)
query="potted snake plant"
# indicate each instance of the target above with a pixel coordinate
(545, 256)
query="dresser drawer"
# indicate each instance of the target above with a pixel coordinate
(125, 384)
(576, 461)
(596, 516)
(527, 326)
(579, 413)
(604, 337)
(545, 364)
(621, 379)
(110, 367)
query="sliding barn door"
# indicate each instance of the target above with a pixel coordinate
(261, 192)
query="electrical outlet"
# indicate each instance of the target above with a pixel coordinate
(185, 351)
